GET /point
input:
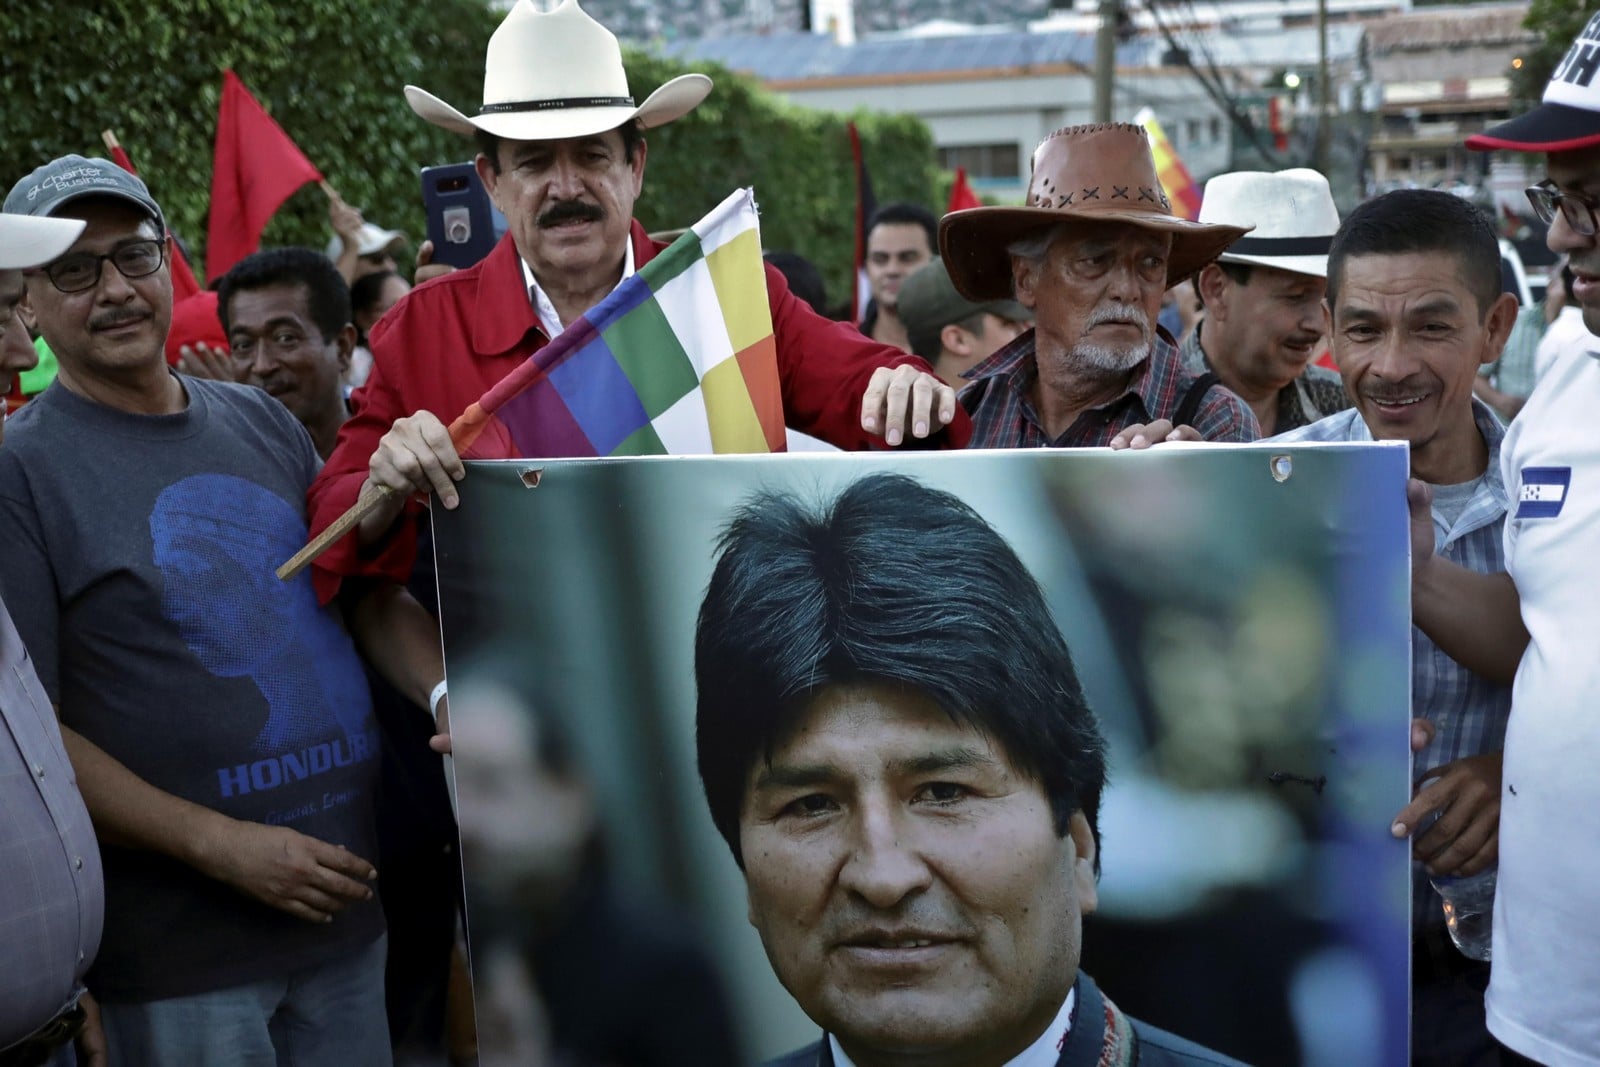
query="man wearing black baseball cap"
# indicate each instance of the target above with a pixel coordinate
(1539, 620)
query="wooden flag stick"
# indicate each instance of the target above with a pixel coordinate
(110, 140)
(371, 497)
(329, 191)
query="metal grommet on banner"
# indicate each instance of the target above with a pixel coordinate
(531, 477)
(1282, 467)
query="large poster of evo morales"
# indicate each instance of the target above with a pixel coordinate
(1083, 755)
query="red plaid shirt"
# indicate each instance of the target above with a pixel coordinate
(1003, 416)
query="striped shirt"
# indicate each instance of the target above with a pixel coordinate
(1468, 712)
(1004, 417)
(1315, 394)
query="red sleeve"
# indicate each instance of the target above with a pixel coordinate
(824, 367)
(335, 489)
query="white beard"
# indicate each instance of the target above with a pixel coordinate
(1100, 357)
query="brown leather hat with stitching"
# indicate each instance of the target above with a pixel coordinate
(1097, 173)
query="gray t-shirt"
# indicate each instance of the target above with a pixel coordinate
(1449, 501)
(137, 556)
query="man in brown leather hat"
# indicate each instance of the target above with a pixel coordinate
(1091, 253)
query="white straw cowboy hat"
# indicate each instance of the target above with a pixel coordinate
(556, 75)
(1101, 172)
(1292, 211)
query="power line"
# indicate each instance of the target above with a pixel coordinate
(1213, 85)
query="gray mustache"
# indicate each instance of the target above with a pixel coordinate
(1119, 313)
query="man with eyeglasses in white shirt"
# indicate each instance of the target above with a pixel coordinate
(1538, 623)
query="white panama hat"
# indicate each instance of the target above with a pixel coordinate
(370, 241)
(31, 241)
(553, 75)
(1292, 211)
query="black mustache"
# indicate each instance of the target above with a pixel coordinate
(115, 318)
(571, 211)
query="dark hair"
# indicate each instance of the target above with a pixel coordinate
(1567, 278)
(901, 213)
(893, 583)
(927, 339)
(632, 137)
(367, 290)
(327, 296)
(1421, 220)
(805, 280)
(1238, 273)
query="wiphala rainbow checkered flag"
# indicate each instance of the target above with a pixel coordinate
(678, 359)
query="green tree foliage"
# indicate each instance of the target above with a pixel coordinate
(1557, 23)
(331, 73)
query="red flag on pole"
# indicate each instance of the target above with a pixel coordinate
(183, 280)
(257, 166)
(961, 194)
(866, 207)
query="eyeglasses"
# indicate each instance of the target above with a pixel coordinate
(1578, 210)
(77, 271)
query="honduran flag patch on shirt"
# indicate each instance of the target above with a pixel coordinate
(1543, 491)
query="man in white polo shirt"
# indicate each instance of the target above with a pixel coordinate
(1544, 992)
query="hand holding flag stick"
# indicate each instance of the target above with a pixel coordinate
(678, 359)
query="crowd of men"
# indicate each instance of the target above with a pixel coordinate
(191, 819)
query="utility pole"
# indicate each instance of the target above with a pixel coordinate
(1105, 59)
(1324, 119)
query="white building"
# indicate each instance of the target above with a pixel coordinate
(988, 96)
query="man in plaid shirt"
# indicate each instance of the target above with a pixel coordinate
(1415, 304)
(1091, 254)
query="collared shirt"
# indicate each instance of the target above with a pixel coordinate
(542, 305)
(1315, 394)
(1004, 417)
(1514, 372)
(449, 341)
(1044, 1052)
(1468, 711)
(52, 894)
(1567, 334)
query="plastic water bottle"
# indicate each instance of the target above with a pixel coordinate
(1469, 910)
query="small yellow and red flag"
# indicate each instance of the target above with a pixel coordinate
(1176, 180)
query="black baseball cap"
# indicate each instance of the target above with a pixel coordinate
(1569, 117)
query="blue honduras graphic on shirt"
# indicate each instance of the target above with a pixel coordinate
(217, 539)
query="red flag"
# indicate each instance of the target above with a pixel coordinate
(961, 194)
(257, 166)
(866, 207)
(183, 279)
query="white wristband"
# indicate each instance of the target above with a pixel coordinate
(437, 695)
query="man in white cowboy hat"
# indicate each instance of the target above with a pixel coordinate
(562, 154)
(1263, 296)
(1091, 254)
(52, 893)
(1537, 620)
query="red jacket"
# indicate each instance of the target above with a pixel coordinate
(442, 347)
